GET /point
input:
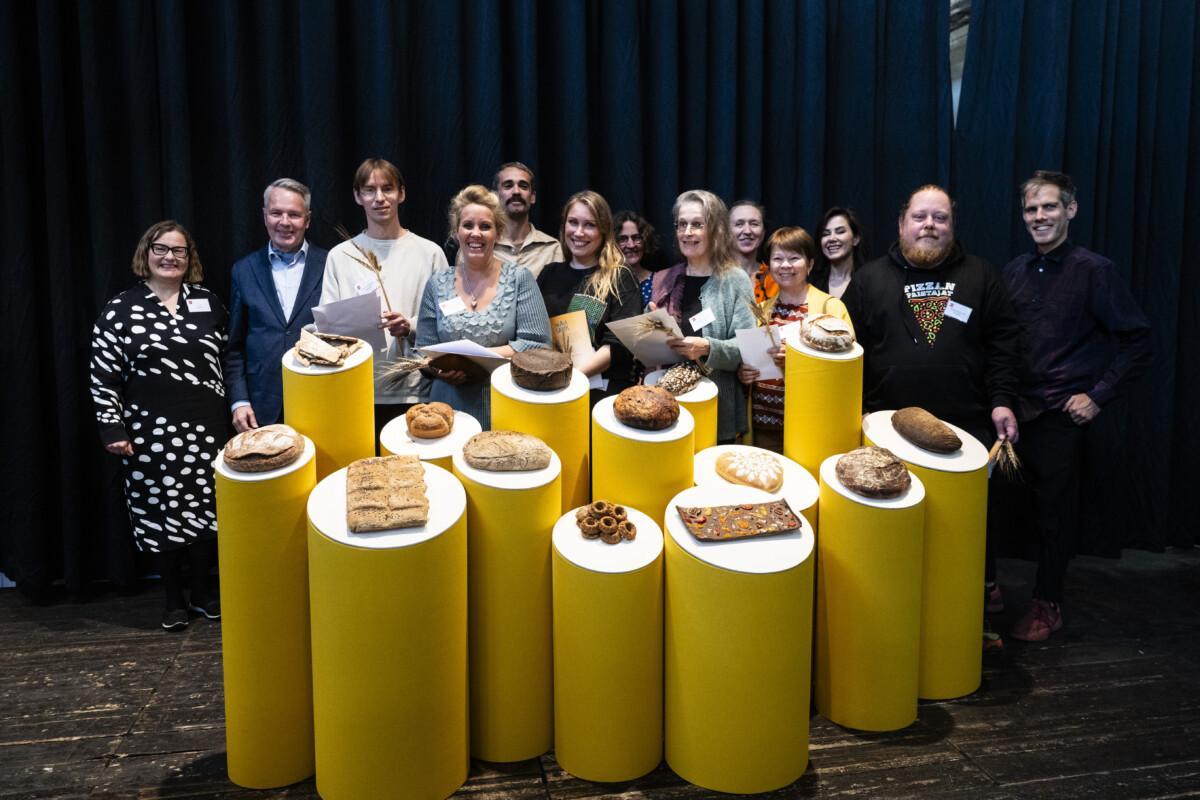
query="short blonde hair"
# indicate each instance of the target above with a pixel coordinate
(141, 256)
(475, 195)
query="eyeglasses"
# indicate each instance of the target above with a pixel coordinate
(369, 192)
(683, 226)
(629, 238)
(160, 249)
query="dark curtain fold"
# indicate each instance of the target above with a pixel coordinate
(122, 113)
(1105, 91)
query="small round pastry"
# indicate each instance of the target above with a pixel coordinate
(827, 333)
(620, 513)
(589, 528)
(607, 525)
(628, 530)
(648, 408)
(429, 420)
(873, 472)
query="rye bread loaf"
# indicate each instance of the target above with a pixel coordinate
(826, 333)
(873, 472)
(925, 430)
(506, 451)
(262, 449)
(385, 493)
(429, 420)
(646, 407)
(541, 370)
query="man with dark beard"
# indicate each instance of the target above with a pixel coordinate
(939, 332)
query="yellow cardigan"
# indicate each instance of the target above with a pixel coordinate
(818, 303)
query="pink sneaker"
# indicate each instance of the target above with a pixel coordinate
(1042, 619)
(994, 603)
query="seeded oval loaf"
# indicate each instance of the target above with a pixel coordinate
(541, 370)
(506, 451)
(646, 407)
(680, 379)
(925, 430)
(262, 449)
(429, 420)
(827, 333)
(873, 472)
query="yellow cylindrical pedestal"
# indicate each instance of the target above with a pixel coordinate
(868, 605)
(264, 625)
(799, 488)
(389, 645)
(702, 402)
(511, 516)
(394, 440)
(822, 404)
(333, 406)
(952, 574)
(608, 652)
(636, 468)
(558, 418)
(738, 651)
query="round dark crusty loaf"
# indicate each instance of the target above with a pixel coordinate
(925, 430)
(873, 472)
(541, 370)
(646, 407)
(263, 449)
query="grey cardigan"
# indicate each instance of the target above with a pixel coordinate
(728, 295)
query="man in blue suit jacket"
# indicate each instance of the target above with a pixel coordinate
(274, 291)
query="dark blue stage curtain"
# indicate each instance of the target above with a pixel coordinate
(1108, 92)
(121, 113)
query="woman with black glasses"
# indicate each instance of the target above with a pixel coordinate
(160, 405)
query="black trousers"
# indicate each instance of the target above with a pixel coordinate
(1050, 449)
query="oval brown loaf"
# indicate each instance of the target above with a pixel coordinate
(925, 430)
(646, 407)
(506, 451)
(827, 333)
(262, 449)
(873, 472)
(541, 370)
(429, 420)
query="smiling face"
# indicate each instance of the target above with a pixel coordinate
(838, 240)
(927, 228)
(169, 267)
(747, 225)
(286, 219)
(1046, 218)
(476, 234)
(380, 198)
(691, 233)
(789, 269)
(633, 247)
(582, 234)
(515, 187)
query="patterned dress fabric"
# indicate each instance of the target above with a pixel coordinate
(156, 382)
(766, 402)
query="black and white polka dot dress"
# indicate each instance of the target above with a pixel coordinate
(156, 382)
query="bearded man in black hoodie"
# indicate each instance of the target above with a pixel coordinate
(938, 329)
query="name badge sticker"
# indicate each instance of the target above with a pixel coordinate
(958, 311)
(454, 305)
(705, 317)
(198, 304)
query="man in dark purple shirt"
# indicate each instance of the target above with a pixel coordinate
(1083, 339)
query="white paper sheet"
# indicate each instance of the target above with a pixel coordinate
(648, 346)
(358, 316)
(753, 344)
(465, 347)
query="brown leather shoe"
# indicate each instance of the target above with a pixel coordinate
(1042, 619)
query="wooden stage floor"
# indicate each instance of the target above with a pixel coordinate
(97, 702)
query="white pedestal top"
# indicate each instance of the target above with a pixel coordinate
(606, 419)
(912, 497)
(797, 344)
(799, 488)
(353, 360)
(396, 439)
(249, 477)
(970, 457)
(502, 382)
(703, 391)
(758, 555)
(327, 511)
(595, 555)
(525, 479)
